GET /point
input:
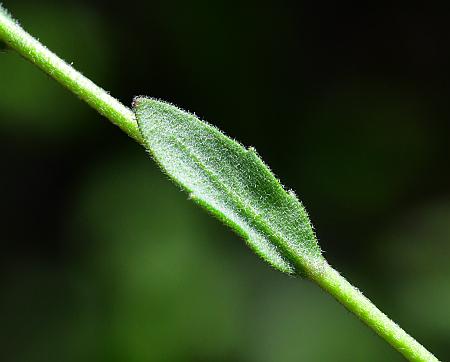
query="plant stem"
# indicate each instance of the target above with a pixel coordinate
(31, 49)
(321, 273)
(335, 284)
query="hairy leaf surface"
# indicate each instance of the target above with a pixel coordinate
(231, 182)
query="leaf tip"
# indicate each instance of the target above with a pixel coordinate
(137, 100)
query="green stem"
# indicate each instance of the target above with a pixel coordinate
(31, 49)
(335, 284)
(322, 273)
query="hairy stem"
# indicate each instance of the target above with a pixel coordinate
(322, 273)
(335, 284)
(31, 49)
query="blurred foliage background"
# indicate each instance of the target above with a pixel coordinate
(103, 259)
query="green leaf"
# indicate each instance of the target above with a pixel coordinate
(231, 182)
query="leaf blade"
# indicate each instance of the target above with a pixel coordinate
(231, 182)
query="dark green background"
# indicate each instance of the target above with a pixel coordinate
(103, 259)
